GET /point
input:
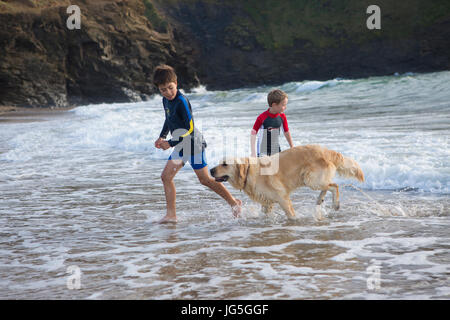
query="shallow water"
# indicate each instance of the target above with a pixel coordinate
(81, 191)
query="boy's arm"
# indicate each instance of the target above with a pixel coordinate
(256, 126)
(253, 143)
(165, 130)
(162, 135)
(289, 138)
(287, 133)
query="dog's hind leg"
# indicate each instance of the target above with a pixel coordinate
(333, 187)
(286, 205)
(321, 197)
(318, 211)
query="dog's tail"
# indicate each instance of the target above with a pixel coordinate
(346, 167)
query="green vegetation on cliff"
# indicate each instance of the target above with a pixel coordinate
(157, 22)
(278, 24)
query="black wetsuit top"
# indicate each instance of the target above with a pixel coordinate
(180, 122)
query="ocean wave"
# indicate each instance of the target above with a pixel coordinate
(259, 94)
(401, 178)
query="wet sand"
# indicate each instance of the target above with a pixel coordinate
(20, 114)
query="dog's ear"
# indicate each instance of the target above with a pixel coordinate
(241, 171)
(242, 167)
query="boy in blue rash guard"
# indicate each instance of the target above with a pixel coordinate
(189, 145)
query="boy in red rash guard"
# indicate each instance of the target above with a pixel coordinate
(271, 121)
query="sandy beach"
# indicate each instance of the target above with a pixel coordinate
(21, 114)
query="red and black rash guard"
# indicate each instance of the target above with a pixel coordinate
(180, 123)
(268, 137)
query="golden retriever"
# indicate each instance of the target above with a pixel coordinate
(270, 180)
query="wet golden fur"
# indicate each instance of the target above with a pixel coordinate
(312, 166)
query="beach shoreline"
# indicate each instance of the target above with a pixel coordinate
(22, 114)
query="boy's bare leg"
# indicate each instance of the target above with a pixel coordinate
(220, 189)
(169, 172)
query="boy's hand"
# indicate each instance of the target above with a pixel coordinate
(158, 143)
(164, 145)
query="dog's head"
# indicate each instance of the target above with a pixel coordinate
(232, 170)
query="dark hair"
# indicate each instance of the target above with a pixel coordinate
(164, 74)
(276, 96)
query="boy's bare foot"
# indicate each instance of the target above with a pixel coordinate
(168, 219)
(237, 208)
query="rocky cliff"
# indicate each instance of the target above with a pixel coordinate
(109, 59)
(221, 44)
(253, 42)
